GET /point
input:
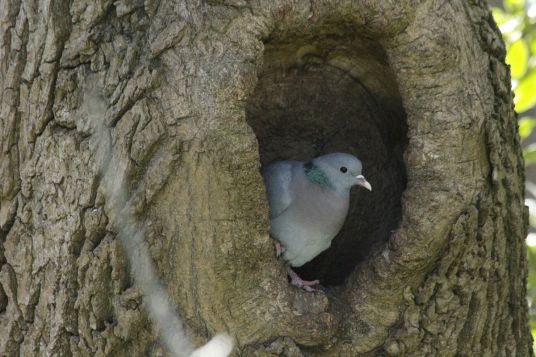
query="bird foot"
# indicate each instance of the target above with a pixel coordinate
(279, 249)
(300, 283)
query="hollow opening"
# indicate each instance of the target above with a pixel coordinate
(336, 93)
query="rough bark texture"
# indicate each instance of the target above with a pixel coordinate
(195, 95)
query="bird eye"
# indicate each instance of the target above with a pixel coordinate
(343, 169)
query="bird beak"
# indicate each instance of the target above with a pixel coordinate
(361, 181)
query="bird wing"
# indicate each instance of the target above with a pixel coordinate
(278, 180)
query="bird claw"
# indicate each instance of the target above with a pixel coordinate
(309, 289)
(279, 249)
(300, 283)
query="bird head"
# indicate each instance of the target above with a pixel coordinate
(342, 170)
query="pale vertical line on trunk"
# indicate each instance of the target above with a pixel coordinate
(131, 234)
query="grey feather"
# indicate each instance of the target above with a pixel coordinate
(278, 178)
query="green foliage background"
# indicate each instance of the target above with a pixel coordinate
(517, 22)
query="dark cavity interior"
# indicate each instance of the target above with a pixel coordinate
(328, 94)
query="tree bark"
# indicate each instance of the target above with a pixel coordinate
(187, 99)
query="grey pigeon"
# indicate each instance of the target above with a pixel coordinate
(308, 205)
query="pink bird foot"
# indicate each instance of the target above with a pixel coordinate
(279, 249)
(300, 283)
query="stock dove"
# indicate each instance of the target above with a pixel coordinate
(308, 204)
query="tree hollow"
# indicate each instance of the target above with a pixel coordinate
(336, 93)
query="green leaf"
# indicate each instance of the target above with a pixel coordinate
(532, 45)
(525, 92)
(529, 153)
(526, 125)
(517, 57)
(499, 16)
(514, 5)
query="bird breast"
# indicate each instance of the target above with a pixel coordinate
(321, 208)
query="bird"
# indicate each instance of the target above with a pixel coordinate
(308, 203)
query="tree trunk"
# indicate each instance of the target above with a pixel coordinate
(181, 102)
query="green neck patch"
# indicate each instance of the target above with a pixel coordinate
(316, 175)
